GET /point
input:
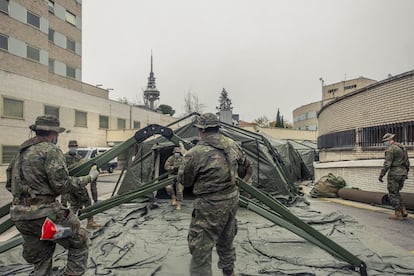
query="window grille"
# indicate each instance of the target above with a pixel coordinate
(342, 139)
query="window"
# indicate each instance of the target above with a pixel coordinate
(137, 125)
(51, 5)
(8, 153)
(81, 118)
(350, 87)
(51, 35)
(33, 19)
(52, 110)
(51, 65)
(311, 114)
(32, 53)
(4, 6)
(70, 44)
(12, 108)
(70, 72)
(70, 17)
(4, 42)
(103, 122)
(121, 123)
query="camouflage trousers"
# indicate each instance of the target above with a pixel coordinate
(40, 252)
(394, 185)
(213, 223)
(79, 199)
(94, 191)
(179, 189)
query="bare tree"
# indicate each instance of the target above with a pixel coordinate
(262, 121)
(192, 104)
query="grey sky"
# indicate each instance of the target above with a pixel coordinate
(268, 54)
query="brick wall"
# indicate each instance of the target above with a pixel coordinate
(362, 174)
(385, 102)
(388, 101)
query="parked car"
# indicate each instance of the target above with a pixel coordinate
(92, 152)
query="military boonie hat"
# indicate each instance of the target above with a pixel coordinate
(387, 136)
(177, 149)
(207, 120)
(73, 143)
(47, 123)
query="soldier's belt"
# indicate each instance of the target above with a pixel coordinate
(39, 199)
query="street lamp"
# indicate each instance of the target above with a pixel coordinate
(322, 82)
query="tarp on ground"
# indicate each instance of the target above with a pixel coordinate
(269, 172)
(139, 240)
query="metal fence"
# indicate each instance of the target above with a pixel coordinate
(372, 136)
(342, 139)
(368, 137)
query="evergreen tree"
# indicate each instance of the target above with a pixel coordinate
(225, 102)
(278, 123)
(166, 109)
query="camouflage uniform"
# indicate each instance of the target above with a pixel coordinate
(172, 165)
(71, 161)
(35, 177)
(397, 165)
(79, 198)
(212, 166)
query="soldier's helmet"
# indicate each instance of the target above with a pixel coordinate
(73, 143)
(387, 136)
(177, 149)
(47, 123)
(207, 120)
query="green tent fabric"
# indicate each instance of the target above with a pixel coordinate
(308, 151)
(293, 154)
(270, 173)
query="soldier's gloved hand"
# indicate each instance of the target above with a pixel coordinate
(380, 178)
(93, 173)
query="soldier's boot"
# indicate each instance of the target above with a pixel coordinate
(397, 216)
(404, 212)
(178, 207)
(92, 224)
(173, 201)
(228, 273)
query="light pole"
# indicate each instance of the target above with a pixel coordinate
(322, 82)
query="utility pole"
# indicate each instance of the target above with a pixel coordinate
(322, 82)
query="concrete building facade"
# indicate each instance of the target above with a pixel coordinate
(351, 129)
(40, 73)
(305, 117)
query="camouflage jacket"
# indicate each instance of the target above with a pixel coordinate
(73, 160)
(173, 163)
(36, 176)
(396, 160)
(212, 166)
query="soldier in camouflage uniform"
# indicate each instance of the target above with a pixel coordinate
(79, 198)
(212, 167)
(72, 159)
(397, 165)
(172, 165)
(36, 176)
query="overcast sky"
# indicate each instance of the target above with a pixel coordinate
(267, 54)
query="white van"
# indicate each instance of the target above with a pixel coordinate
(92, 152)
